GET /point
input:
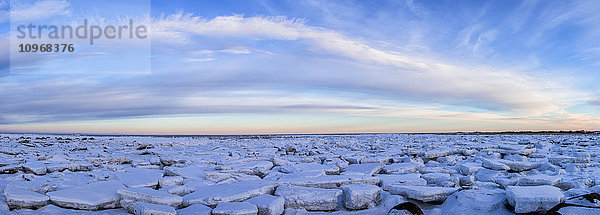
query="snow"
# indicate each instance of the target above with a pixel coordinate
(170, 181)
(316, 199)
(235, 208)
(533, 198)
(469, 168)
(425, 194)
(143, 194)
(440, 179)
(35, 167)
(178, 190)
(402, 167)
(519, 166)
(3, 206)
(494, 165)
(239, 191)
(475, 202)
(466, 180)
(327, 181)
(143, 208)
(258, 168)
(38, 185)
(535, 180)
(579, 211)
(338, 174)
(93, 196)
(139, 178)
(191, 172)
(268, 204)
(404, 179)
(364, 169)
(196, 209)
(21, 198)
(360, 196)
(310, 167)
(435, 153)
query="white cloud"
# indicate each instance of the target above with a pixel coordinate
(417, 9)
(487, 86)
(236, 50)
(231, 50)
(517, 19)
(189, 60)
(4, 8)
(39, 10)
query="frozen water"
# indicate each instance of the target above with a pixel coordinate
(309, 198)
(425, 194)
(197, 209)
(533, 198)
(268, 204)
(235, 208)
(21, 198)
(337, 174)
(143, 194)
(360, 196)
(143, 208)
(234, 192)
(474, 202)
(93, 196)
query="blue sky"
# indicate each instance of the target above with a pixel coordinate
(245, 67)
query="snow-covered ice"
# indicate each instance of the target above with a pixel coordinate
(360, 196)
(197, 209)
(21, 198)
(144, 194)
(422, 193)
(235, 208)
(143, 208)
(93, 196)
(309, 198)
(234, 192)
(298, 174)
(268, 204)
(533, 198)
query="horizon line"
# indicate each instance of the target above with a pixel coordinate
(523, 132)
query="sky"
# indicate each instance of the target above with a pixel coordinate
(265, 67)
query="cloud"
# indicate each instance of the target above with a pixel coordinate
(517, 19)
(4, 11)
(417, 9)
(217, 65)
(485, 87)
(39, 10)
(231, 50)
(197, 59)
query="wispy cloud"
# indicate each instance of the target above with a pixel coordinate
(478, 71)
(20, 12)
(198, 59)
(517, 19)
(4, 11)
(480, 86)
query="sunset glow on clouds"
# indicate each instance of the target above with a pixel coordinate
(231, 67)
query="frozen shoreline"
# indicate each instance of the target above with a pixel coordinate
(298, 174)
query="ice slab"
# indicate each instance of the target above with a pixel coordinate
(239, 191)
(425, 194)
(312, 199)
(529, 199)
(93, 196)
